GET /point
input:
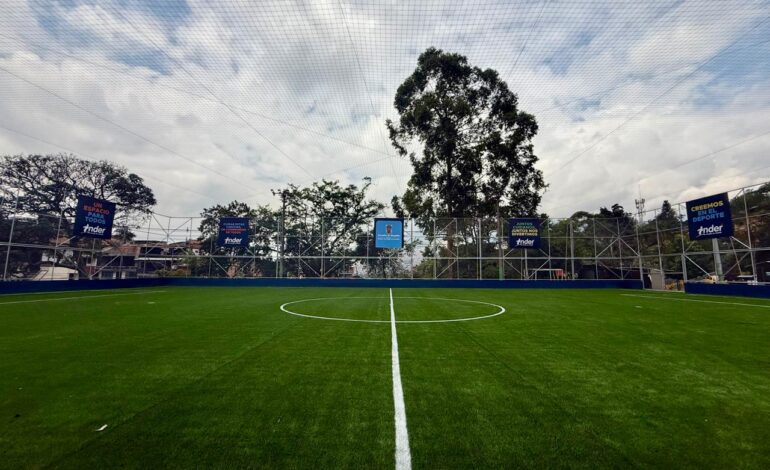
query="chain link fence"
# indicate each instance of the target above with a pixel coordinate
(652, 246)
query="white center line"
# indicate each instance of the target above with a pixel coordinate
(403, 455)
(80, 297)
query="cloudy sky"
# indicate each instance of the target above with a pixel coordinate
(216, 100)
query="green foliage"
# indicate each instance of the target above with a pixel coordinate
(619, 213)
(50, 184)
(667, 215)
(326, 218)
(263, 225)
(476, 154)
(323, 218)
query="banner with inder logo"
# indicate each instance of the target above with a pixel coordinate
(233, 232)
(709, 217)
(93, 218)
(523, 233)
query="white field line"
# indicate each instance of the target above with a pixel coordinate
(403, 454)
(499, 312)
(696, 300)
(284, 309)
(73, 291)
(81, 297)
(318, 317)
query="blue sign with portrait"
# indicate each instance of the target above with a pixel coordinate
(523, 233)
(93, 218)
(389, 233)
(709, 217)
(233, 232)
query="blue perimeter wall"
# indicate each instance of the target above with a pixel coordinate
(745, 290)
(16, 287)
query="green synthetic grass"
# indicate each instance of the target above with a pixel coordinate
(202, 377)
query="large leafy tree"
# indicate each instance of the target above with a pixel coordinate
(469, 143)
(667, 215)
(255, 259)
(616, 211)
(262, 220)
(325, 218)
(40, 188)
(50, 184)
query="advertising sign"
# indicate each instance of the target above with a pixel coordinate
(523, 233)
(389, 233)
(93, 217)
(233, 232)
(709, 217)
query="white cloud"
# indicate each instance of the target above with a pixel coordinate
(313, 82)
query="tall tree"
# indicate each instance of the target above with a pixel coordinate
(667, 215)
(41, 187)
(473, 146)
(263, 226)
(326, 218)
(617, 212)
(209, 224)
(50, 184)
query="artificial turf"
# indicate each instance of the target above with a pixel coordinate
(221, 377)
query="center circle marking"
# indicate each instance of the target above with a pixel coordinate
(318, 317)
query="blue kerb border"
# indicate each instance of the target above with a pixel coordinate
(15, 287)
(744, 290)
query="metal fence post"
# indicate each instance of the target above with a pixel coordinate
(479, 242)
(500, 256)
(120, 247)
(56, 247)
(550, 262)
(368, 259)
(168, 241)
(323, 239)
(10, 238)
(596, 253)
(639, 255)
(681, 240)
(435, 251)
(620, 248)
(282, 241)
(411, 248)
(211, 252)
(717, 260)
(748, 233)
(572, 250)
(660, 256)
(146, 246)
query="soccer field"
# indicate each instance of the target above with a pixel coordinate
(280, 377)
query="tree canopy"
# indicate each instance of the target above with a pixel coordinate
(469, 144)
(323, 218)
(50, 184)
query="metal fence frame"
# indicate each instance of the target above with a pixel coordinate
(468, 248)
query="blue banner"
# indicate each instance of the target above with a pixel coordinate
(523, 233)
(93, 218)
(389, 233)
(709, 217)
(233, 232)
